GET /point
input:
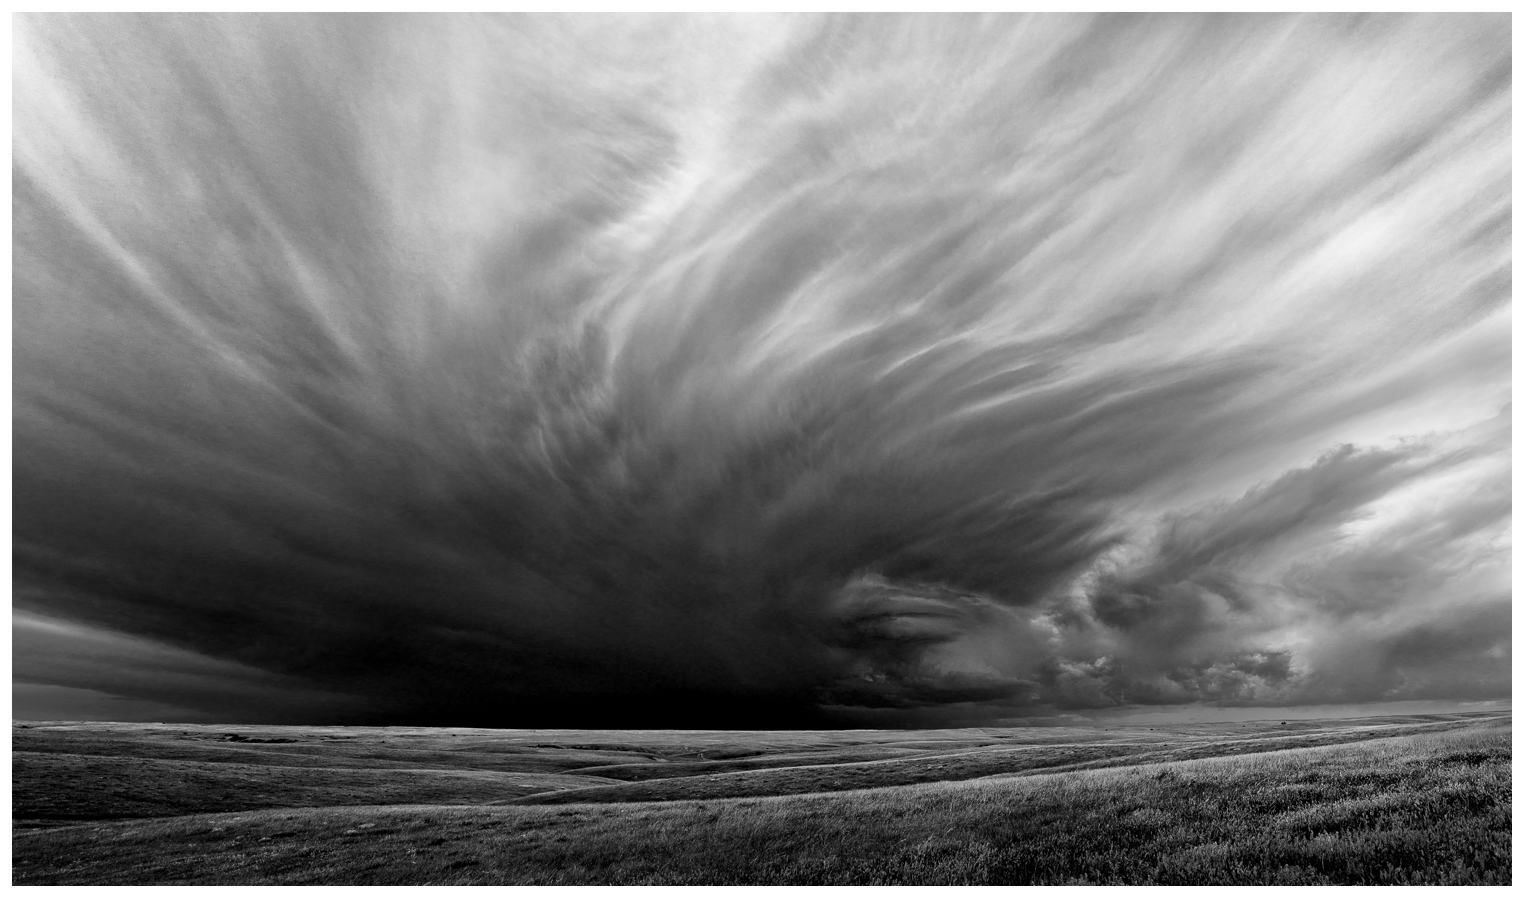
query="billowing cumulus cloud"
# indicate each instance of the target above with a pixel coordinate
(760, 370)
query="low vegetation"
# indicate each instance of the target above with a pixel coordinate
(1389, 801)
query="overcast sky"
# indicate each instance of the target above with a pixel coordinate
(756, 371)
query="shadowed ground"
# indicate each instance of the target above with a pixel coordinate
(1422, 799)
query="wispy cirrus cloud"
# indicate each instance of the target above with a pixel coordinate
(744, 370)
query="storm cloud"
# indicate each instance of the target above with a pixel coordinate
(760, 370)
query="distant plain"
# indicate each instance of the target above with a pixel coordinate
(1417, 799)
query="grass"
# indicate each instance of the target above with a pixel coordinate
(67, 788)
(1409, 801)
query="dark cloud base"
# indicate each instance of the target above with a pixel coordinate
(760, 372)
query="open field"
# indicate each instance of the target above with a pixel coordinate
(1420, 799)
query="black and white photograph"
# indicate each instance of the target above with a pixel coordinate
(772, 449)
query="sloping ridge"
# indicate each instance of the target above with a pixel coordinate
(950, 767)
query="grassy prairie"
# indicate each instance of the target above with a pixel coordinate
(1392, 800)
